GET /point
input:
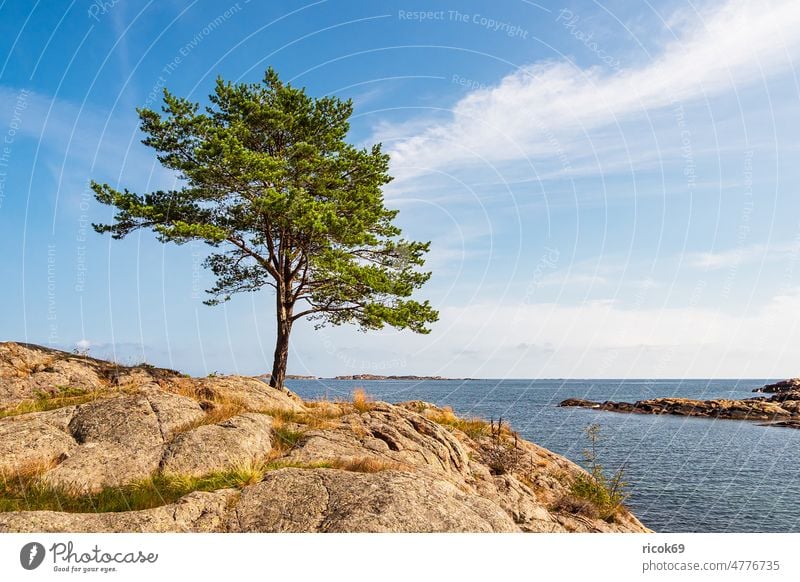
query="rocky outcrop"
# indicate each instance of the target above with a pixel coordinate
(268, 461)
(782, 409)
(205, 449)
(196, 512)
(790, 385)
(302, 500)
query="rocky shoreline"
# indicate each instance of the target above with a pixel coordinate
(782, 409)
(91, 446)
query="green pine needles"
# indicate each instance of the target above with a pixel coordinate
(273, 187)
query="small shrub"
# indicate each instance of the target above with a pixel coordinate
(502, 454)
(569, 503)
(606, 493)
(81, 350)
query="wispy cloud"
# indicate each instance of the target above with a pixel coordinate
(544, 109)
(736, 257)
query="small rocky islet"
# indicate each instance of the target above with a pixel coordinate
(82, 441)
(781, 409)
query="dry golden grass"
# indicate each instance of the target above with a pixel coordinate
(26, 472)
(218, 408)
(66, 396)
(361, 401)
(474, 428)
(365, 465)
(280, 415)
(191, 389)
(214, 415)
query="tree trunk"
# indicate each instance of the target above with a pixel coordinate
(284, 314)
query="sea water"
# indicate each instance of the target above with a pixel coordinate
(685, 474)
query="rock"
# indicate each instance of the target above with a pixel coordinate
(302, 500)
(32, 442)
(195, 512)
(254, 394)
(27, 371)
(96, 465)
(580, 403)
(387, 433)
(784, 405)
(783, 386)
(375, 467)
(239, 440)
(121, 439)
(144, 419)
(784, 423)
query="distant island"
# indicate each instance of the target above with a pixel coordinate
(267, 377)
(379, 377)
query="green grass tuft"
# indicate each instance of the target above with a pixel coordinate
(43, 401)
(24, 493)
(285, 437)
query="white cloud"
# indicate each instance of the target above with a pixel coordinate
(543, 109)
(736, 257)
(598, 339)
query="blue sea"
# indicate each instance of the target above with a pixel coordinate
(685, 474)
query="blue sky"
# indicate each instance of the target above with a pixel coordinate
(610, 188)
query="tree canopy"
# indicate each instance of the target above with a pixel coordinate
(270, 182)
